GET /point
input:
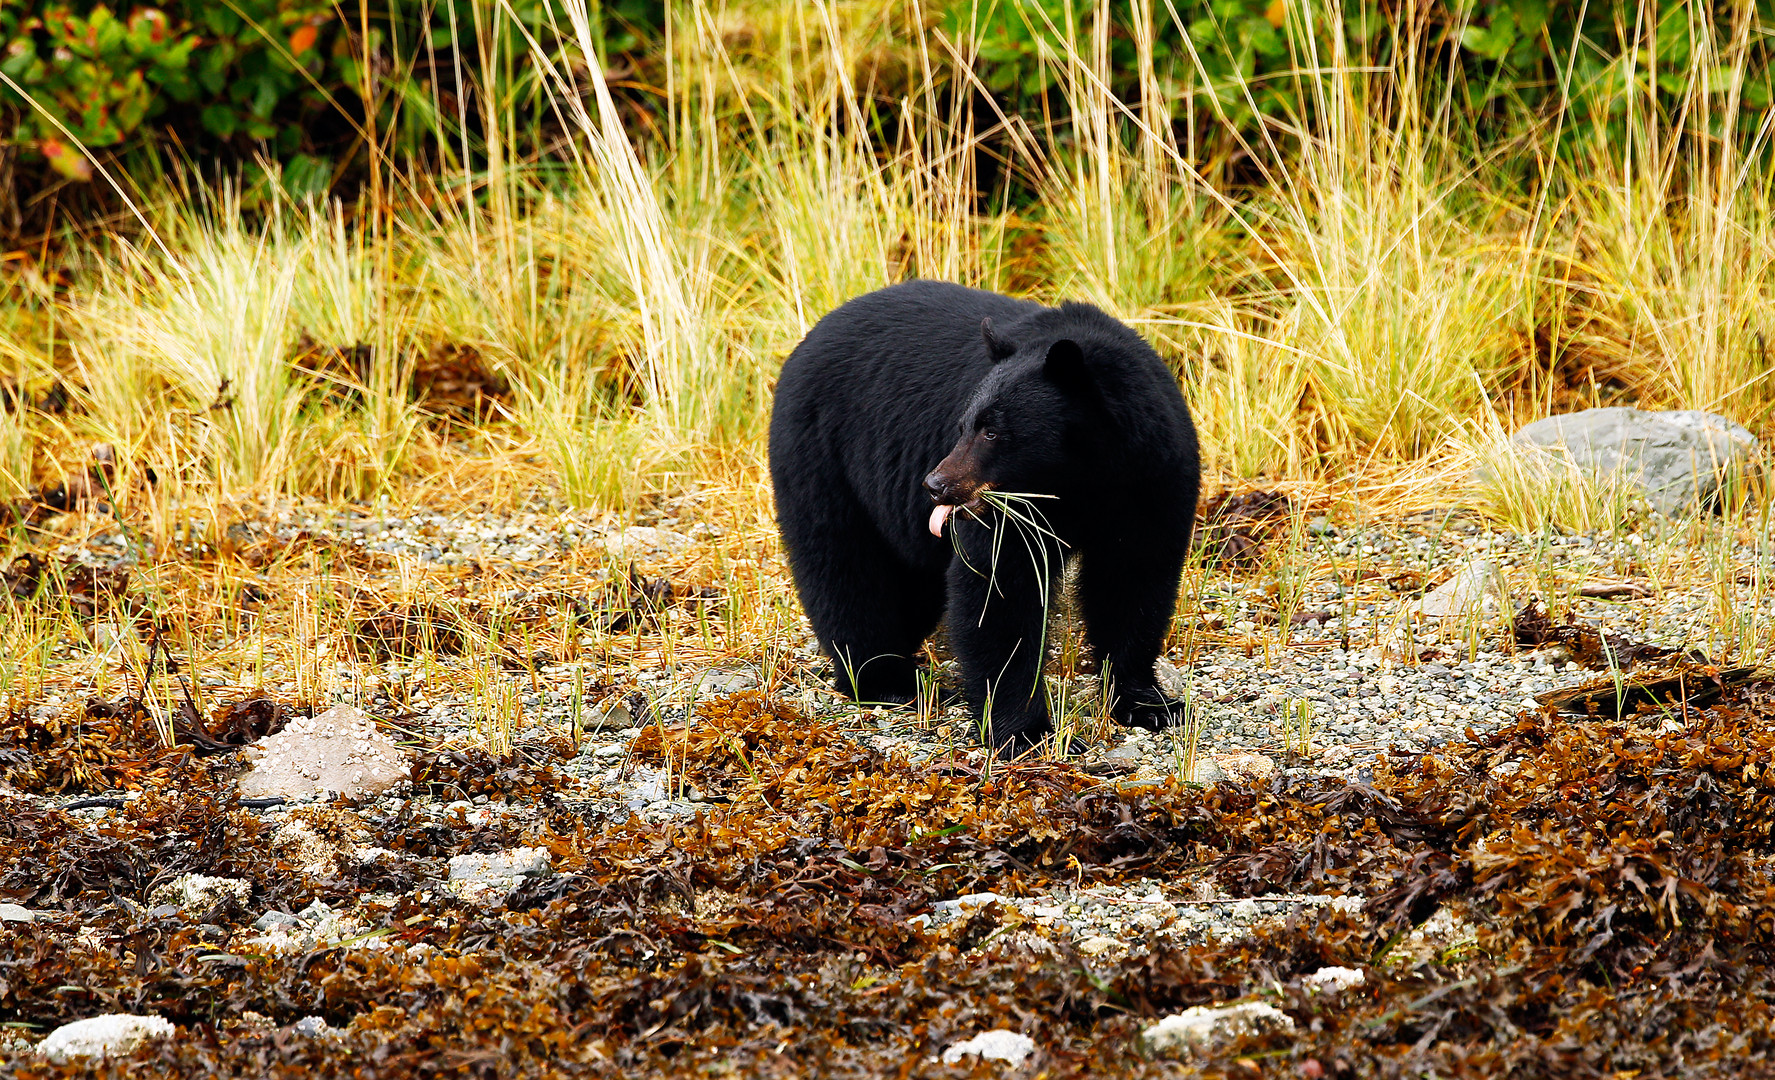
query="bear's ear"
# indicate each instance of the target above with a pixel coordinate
(1065, 366)
(996, 347)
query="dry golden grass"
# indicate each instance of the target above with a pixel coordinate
(1360, 328)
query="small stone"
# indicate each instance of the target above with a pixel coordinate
(1202, 1024)
(276, 920)
(1098, 945)
(115, 1034)
(1333, 978)
(314, 1027)
(1001, 1045)
(15, 913)
(714, 684)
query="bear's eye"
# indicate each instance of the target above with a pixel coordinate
(989, 435)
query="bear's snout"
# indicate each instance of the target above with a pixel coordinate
(939, 487)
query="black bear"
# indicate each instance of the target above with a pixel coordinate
(1040, 435)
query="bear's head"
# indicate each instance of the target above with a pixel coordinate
(1017, 432)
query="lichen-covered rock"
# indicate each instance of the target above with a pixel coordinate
(340, 751)
(1679, 459)
(200, 892)
(112, 1034)
(1203, 1024)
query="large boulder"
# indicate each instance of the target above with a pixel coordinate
(1679, 459)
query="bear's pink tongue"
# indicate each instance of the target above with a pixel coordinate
(938, 517)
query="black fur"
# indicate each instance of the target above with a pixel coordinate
(985, 390)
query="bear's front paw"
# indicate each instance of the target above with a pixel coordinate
(1151, 710)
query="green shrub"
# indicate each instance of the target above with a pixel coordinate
(1505, 60)
(250, 79)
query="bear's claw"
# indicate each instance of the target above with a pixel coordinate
(1154, 715)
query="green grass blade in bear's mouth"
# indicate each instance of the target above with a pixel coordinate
(1018, 510)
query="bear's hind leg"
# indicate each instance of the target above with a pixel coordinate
(869, 609)
(1128, 598)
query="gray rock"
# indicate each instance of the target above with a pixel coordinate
(516, 863)
(714, 684)
(1477, 588)
(274, 919)
(1679, 459)
(112, 1034)
(1207, 771)
(314, 1027)
(15, 913)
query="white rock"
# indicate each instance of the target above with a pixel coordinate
(341, 751)
(971, 900)
(15, 913)
(999, 1045)
(113, 1034)
(1478, 588)
(1333, 978)
(1202, 1024)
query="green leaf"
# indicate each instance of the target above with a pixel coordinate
(219, 121)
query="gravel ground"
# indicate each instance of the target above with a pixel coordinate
(1372, 677)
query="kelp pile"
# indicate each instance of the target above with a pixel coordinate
(1616, 874)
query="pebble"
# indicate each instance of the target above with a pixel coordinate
(15, 913)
